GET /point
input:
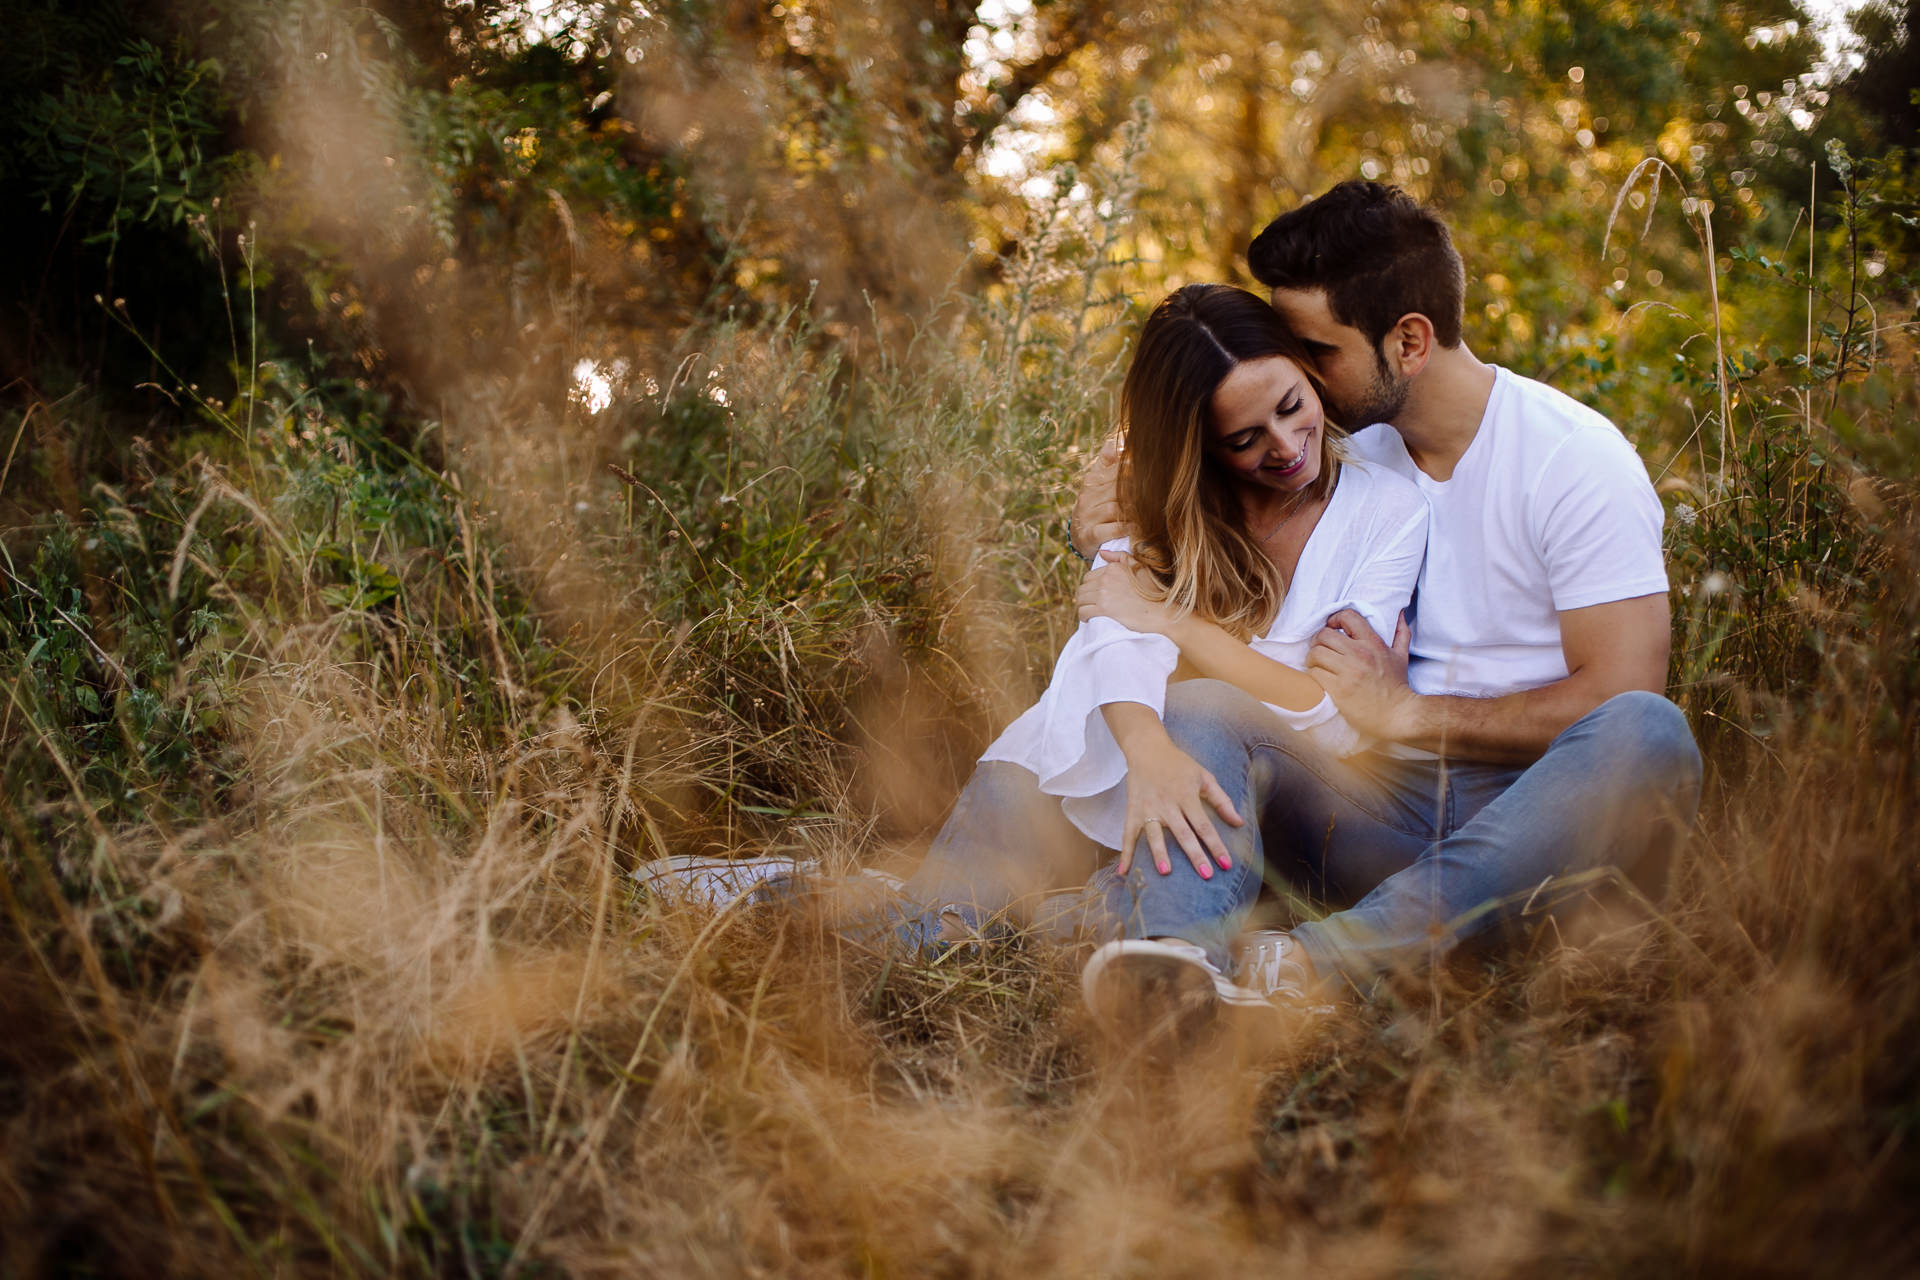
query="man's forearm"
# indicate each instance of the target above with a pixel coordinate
(1516, 727)
(1610, 648)
(1095, 517)
(1084, 540)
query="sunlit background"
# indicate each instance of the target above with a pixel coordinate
(452, 451)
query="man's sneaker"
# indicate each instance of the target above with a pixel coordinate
(911, 931)
(1157, 991)
(1271, 964)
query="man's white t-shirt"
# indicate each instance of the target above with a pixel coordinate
(1549, 509)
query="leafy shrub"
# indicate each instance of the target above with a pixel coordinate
(1793, 552)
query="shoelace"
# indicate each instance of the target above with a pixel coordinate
(1268, 969)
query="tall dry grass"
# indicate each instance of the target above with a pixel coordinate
(364, 1036)
(365, 988)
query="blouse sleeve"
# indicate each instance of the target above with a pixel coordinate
(1383, 583)
(1064, 739)
(1380, 586)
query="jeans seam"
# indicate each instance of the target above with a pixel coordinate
(1250, 893)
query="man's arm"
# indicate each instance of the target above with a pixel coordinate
(1610, 648)
(1096, 520)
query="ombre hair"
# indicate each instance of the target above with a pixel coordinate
(1190, 528)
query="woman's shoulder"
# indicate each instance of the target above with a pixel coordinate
(1382, 493)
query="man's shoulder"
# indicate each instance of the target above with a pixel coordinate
(1556, 431)
(1548, 415)
(1548, 409)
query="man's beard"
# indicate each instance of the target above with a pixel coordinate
(1384, 398)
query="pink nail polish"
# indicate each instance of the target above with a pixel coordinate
(1206, 872)
(1226, 864)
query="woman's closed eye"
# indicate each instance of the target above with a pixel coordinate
(1241, 441)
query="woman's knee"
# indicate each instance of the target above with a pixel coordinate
(1203, 710)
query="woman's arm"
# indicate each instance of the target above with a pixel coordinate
(1218, 655)
(1206, 647)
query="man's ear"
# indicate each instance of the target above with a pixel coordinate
(1409, 344)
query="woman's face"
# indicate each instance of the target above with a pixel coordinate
(1267, 425)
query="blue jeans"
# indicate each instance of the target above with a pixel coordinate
(1008, 856)
(1429, 852)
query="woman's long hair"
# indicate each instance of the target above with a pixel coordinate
(1190, 526)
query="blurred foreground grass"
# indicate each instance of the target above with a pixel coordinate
(333, 724)
(325, 764)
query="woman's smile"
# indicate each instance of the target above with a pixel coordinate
(1284, 467)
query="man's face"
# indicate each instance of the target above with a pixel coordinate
(1362, 388)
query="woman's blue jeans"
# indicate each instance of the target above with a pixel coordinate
(1428, 851)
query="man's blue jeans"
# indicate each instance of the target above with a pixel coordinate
(1428, 852)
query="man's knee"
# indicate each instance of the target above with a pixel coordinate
(1651, 739)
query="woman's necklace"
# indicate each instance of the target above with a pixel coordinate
(1299, 505)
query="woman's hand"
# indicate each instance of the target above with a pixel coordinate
(1168, 794)
(1114, 591)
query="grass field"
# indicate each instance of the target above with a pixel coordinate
(331, 736)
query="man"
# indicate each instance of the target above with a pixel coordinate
(1520, 728)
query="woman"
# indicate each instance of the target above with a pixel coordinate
(1252, 530)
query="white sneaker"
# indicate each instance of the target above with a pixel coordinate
(713, 883)
(1270, 964)
(1159, 989)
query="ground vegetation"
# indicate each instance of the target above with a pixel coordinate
(453, 452)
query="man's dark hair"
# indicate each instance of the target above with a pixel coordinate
(1375, 251)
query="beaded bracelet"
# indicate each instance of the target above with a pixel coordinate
(1072, 545)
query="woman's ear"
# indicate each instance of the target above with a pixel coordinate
(1409, 344)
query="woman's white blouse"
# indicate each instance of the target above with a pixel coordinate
(1364, 554)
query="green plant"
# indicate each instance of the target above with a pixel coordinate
(143, 145)
(1792, 561)
(343, 686)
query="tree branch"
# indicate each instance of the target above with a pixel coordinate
(1085, 25)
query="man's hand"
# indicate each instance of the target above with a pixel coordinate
(1115, 593)
(1096, 511)
(1610, 648)
(1367, 680)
